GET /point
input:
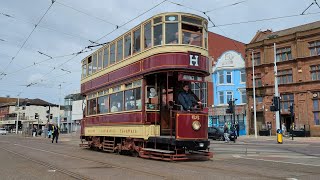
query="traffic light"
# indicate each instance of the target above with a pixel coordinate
(291, 110)
(51, 116)
(275, 104)
(36, 116)
(230, 109)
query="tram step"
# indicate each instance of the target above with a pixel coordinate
(158, 150)
(107, 141)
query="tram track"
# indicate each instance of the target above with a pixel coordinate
(111, 165)
(48, 165)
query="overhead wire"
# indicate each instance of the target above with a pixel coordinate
(29, 35)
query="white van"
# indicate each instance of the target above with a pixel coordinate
(3, 131)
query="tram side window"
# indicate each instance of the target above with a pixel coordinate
(191, 35)
(133, 99)
(94, 63)
(84, 70)
(92, 106)
(137, 40)
(89, 65)
(119, 50)
(112, 54)
(147, 35)
(127, 46)
(157, 35)
(172, 35)
(106, 57)
(103, 106)
(116, 101)
(99, 60)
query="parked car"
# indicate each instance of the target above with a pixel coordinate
(216, 133)
(3, 131)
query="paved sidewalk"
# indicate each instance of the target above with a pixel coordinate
(252, 139)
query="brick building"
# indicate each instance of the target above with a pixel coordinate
(298, 61)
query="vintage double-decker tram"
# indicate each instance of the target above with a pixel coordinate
(132, 84)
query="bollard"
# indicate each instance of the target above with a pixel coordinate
(279, 136)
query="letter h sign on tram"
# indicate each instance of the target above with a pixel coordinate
(194, 60)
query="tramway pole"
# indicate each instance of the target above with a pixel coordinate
(254, 98)
(18, 112)
(59, 106)
(276, 92)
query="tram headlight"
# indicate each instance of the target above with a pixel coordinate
(196, 125)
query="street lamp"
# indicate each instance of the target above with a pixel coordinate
(254, 96)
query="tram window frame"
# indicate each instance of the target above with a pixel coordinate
(127, 47)
(174, 36)
(136, 49)
(92, 110)
(112, 54)
(157, 41)
(94, 62)
(152, 102)
(100, 63)
(84, 69)
(119, 50)
(191, 20)
(119, 100)
(194, 34)
(105, 99)
(146, 43)
(132, 96)
(106, 57)
(89, 72)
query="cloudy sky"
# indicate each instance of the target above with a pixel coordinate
(45, 59)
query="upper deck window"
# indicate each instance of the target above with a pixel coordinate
(127, 45)
(84, 69)
(99, 60)
(89, 66)
(191, 31)
(120, 50)
(147, 35)
(137, 40)
(157, 31)
(106, 57)
(172, 33)
(94, 63)
(112, 54)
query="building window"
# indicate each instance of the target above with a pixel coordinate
(259, 99)
(314, 48)
(257, 58)
(229, 77)
(258, 80)
(242, 76)
(316, 108)
(221, 77)
(284, 54)
(229, 96)
(243, 97)
(221, 97)
(286, 101)
(284, 77)
(315, 72)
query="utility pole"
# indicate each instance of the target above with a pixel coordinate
(254, 98)
(276, 92)
(59, 106)
(18, 112)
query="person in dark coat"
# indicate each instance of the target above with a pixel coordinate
(55, 134)
(187, 99)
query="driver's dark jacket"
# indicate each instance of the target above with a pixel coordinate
(187, 100)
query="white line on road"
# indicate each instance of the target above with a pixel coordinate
(267, 160)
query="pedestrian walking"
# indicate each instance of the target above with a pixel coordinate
(283, 129)
(226, 133)
(55, 134)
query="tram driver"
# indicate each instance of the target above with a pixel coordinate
(186, 98)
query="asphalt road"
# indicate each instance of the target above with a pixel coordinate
(38, 158)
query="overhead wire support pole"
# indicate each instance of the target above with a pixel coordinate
(276, 92)
(254, 98)
(59, 106)
(18, 112)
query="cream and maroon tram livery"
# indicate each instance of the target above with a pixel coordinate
(131, 87)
